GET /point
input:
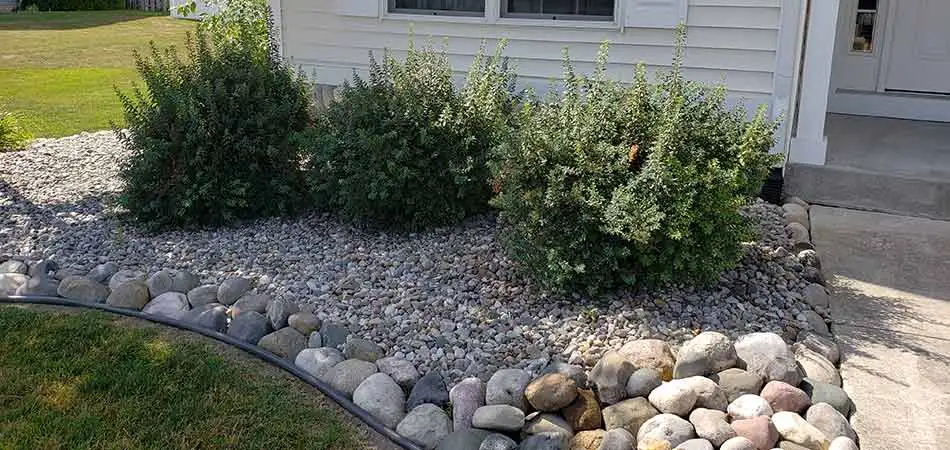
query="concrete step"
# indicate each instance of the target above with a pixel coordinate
(869, 190)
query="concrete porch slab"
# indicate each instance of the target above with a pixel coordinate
(879, 164)
(890, 277)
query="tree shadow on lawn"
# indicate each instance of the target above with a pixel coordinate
(70, 20)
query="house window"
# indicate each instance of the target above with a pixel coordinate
(438, 7)
(864, 27)
(560, 9)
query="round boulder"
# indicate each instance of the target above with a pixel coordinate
(466, 397)
(695, 444)
(815, 366)
(249, 327)
(470, 439)
(498, 417)
(712, 425)
(380, 396)
(785, 397)
(576, 373)
(183, 280)
(759, 430)
(251, 302)
(347, 376)
(546, 441)
(610, 375)
(618, 439)
(709, 352)
(285, 343)
(278, 311)
(497, 441)
(737, 382)
(629, 414)
(123, 276)
(318, 361)
(173, 305)
(81, 289)
(203, 295)
(665, 427)
(843, 443)
(159, 283)
(41, 286)
(540, 423)
(584, 412)
(652, 353)
(14, 266)
(793, 428)
(749, 406)
(232, 289)
(822, 345)
(674, 397)
(429, 389)
(708, 393)
(11, 282)
(213, 316)
(426, 425)
(767, 355)
(738, 443)
(828, 393)
(334, 334)
(587, 440)
(358, 348)
(305, 323)
(506, 387)
(551, 392)
(831, 422)
(102, 272)
(642, 382)
(402, 371)
(129, 295)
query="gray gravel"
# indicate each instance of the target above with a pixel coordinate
(447, 300)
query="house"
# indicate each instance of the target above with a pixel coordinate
(863, 85)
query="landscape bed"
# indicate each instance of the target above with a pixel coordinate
(444, 303)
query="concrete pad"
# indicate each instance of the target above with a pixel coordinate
(890, 277)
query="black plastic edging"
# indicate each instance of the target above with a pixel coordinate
(260, 353)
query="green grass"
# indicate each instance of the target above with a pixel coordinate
(94, 381)
(58, 70)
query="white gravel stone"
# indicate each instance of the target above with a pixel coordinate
(446, 300)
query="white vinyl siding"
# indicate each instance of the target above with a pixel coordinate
(729, 40)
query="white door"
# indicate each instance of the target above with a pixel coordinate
(919, 57)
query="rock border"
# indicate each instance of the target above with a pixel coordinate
(757, 392)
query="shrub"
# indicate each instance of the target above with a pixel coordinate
(12, 135)
(210, 135)
(608, 185)
(404, 147)
(237, 22)
(70, 5)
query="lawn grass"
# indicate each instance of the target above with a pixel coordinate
(58, 70)
(90, 380)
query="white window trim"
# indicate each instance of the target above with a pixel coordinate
(493, 15)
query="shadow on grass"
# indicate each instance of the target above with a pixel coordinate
(70, 20)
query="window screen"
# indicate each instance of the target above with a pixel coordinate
(461, 7)
(564, 9)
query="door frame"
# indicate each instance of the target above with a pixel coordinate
(872, 99)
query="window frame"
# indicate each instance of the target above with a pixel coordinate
(504, 5)
(391, 9)
(493, 16)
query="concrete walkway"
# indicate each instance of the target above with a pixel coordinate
(890, 277)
